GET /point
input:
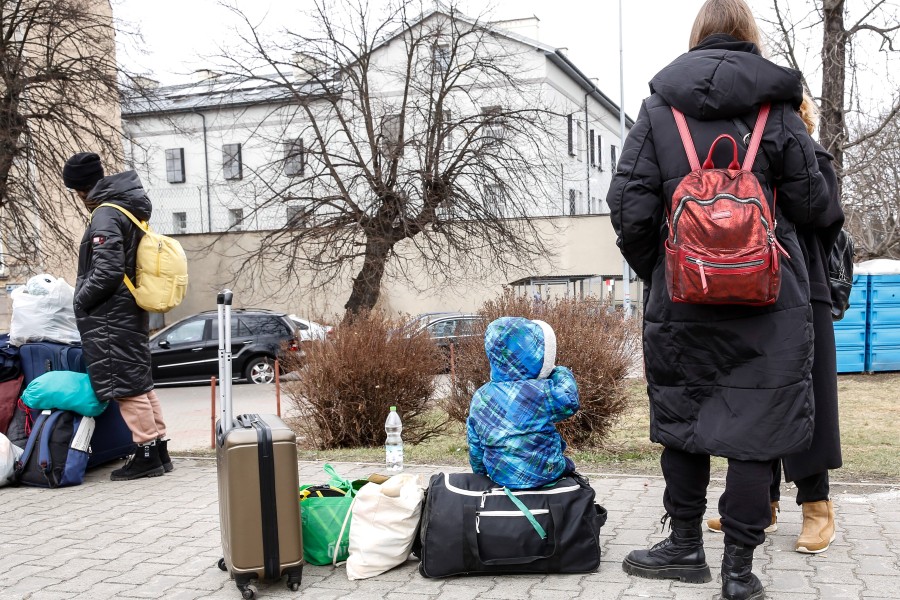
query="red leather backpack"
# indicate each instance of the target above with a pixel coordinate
(721, 247)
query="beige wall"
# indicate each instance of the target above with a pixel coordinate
(585, 245)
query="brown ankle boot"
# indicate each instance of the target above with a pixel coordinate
(715, 524)
(818, 527)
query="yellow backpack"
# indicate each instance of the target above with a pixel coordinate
(161, 268)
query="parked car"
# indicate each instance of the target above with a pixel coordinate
(309, 330)
(187, 351)
(445, 328)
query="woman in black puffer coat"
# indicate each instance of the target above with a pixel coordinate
(730, 381)
(114, 329)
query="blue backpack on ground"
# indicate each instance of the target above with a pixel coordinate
(50, 460)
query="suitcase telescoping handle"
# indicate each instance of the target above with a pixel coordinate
(223, 306)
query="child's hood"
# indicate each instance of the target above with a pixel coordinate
(519, 348)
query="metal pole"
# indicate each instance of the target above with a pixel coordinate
(212, 412)
(277, 390)
(626, 269)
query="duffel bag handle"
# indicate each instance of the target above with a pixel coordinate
(473, 556)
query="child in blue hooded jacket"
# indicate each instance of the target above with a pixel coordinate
(511, 426)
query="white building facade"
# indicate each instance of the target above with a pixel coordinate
(224, 156)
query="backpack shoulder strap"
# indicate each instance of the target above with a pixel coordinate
(686, 139)
(756, 138)
(32, 440)
(141, 224)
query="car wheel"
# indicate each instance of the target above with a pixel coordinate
(260, 369)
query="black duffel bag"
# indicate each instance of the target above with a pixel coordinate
(470, 526)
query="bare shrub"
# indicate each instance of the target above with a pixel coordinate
(348, 383)
(597, 344)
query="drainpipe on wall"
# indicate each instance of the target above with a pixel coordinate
(587, 152)
(206, 167)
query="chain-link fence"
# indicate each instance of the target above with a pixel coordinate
(196, 209)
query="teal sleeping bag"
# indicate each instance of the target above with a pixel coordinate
(63, 390)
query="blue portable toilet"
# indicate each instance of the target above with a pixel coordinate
(850, 332)
(882, 315)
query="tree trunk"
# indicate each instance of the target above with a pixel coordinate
(367, 283)
(832, 131)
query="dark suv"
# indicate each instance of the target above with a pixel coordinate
(188, 351)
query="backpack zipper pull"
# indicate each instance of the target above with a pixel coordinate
(703, 277)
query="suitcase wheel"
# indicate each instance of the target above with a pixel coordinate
(222, 565)
(248, 591)
(293, 580)
(293, 585)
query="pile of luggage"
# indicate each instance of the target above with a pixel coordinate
(52, 426)
(457, 523)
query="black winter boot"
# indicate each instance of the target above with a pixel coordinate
(143, 463)
(679, 556)
(164, 455)
(738, 583)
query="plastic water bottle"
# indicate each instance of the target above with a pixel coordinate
(393, 445)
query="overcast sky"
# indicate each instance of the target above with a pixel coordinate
(177, 33)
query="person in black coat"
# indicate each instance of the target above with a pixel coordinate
(726, 380)
(809, 469)
(114, 329)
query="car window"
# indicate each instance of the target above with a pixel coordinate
(270, 326)
(301, 326)
(239, 329)
(466, 327)
(191, 331)
(443, 328)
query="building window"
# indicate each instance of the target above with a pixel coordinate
(179, 222)
(571, 201)
(447, 132)
(592, 148)
(391, 144)
(571, 146)
(236, 219)
(494, 124)
(495, 198)
(441, 57)
(612, 156)
(175, 165)
(296, 217)
(294, 158)
(232, 166)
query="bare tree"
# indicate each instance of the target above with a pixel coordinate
(872, 189)
(58, 94)
(876, 19)
(417, 141)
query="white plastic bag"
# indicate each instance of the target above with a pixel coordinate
(384, 519)
(9, 454)
(49, 316)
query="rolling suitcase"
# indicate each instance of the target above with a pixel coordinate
(259, 508)
(40, 357)
(112, 439)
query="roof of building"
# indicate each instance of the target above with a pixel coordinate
(232, 91)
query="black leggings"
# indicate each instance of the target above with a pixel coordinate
(744, 506)
(809, 489)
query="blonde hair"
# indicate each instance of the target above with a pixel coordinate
(809, 112)
(732, 17)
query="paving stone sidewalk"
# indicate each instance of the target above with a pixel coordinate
(159, 538)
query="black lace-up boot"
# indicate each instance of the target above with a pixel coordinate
(164, 455)
(679, 556)
(738, 582)
(143, 463)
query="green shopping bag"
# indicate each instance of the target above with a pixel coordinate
(322, 514)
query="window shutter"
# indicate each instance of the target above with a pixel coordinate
(571, 148)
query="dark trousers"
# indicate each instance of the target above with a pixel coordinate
(814, 488)
(744, 506)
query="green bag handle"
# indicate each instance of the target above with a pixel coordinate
(337, 481)
(521, 506)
